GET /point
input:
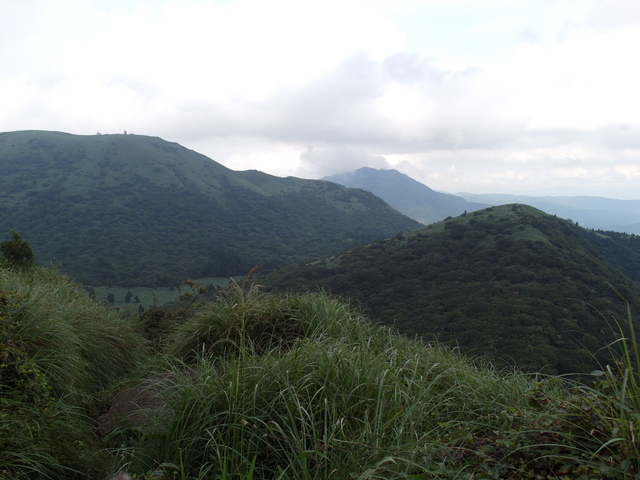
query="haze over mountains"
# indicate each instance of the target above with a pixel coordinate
(137, 210)
(406, 195)
(421, 203)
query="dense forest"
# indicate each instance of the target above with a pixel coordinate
(509, 283)
(622, 250)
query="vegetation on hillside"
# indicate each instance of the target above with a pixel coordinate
(302, 386)
(508, 282)
(622, 250)
(59, 350)
(16, 253)
(132, 210)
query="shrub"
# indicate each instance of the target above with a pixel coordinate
(241, 320)
(16, 252)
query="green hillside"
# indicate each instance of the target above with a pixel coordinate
(622, 250)
(135, 210)
(509, 283)
(591, 212)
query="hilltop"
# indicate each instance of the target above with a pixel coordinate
(509, 283)
(591, 212)
(136, 210)
(426, 205)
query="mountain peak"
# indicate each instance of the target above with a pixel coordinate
(405, 194)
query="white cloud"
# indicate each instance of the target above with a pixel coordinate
(324, 161)
(516, 95)
(628, 171)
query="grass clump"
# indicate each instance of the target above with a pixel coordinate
(614, 400)
(58, 350)
(346, 399)
(238, 322)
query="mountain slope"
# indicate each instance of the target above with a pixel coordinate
(508, 282)
(406, 195)
(137, 210)
(590, 212)
(620, 250)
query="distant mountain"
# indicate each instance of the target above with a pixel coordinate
(509, 283)
(136, 210)
(406, 195)
(590, 212)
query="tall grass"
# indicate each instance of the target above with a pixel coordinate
(345, 400)
(307, 388)
(79, 344)
(300, 386)
(58, 349)
(615, 401)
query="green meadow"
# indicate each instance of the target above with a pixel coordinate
(130, 299)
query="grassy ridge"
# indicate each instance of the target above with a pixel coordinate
(302, 386)
(327, 396)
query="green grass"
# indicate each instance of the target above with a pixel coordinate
(615, 399)
(58, 350)
(299, 386)
(346, 399)
(349, 400)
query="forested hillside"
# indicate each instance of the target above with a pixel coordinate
(622, 250)
(509, 283)
(135, 210)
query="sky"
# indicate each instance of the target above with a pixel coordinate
(536, 97)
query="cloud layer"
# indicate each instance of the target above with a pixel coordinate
(462, 95)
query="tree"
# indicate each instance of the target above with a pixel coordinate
(16, 252)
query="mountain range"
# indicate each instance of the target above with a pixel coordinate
(406, 195)
(426, 205)
(510, 283)
(136, 210)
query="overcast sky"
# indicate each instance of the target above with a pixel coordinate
(489, 96)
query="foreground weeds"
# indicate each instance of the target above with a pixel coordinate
(264, 386)
(58, 350)
(303, 387)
